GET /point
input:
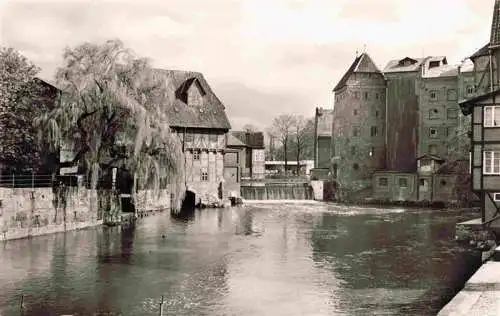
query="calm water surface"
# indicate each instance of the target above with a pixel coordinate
(254, 260)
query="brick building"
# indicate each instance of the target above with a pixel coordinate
(358, 130)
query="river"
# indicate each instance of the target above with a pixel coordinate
(274, 260)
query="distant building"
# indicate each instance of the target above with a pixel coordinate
(323, 121)
(254, 154)
(276, 167)
(358, 132)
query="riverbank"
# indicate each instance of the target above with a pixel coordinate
(481, 293)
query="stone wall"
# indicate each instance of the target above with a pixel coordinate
(26, 212)
(358, 128)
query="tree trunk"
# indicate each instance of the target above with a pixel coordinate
(298, 158)
(286, 155)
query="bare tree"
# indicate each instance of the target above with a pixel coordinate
(250, 128)
(282, 128)
(303, 130)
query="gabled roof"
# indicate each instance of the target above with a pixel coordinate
(253, 140)
(181, 92)
(495, 25)
(362, 64)
(483, 51)
(467, 105)
(211, 114)
(232, 141)
(397, 65)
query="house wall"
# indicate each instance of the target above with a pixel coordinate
(402, 121)
(258, 163)
(204, 153)
(232, 172)
(359, 106)
(438, 119)
(323, 150)
(394, 191)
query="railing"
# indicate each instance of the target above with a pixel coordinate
(26, 181)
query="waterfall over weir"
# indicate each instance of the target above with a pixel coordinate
(277, 191)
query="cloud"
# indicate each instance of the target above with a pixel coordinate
(273, 55)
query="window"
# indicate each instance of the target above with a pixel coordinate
(366, 95)
(452, 113)
(355, 131)
(470, 90)
(212, 138)
(376, 113)
(496, 197)
(204, 175)
(450, 131)
(433, 114)
(189, 137)
(355, 166)
(372, 151)
(452, 95)
(354, 112)
(382, 182)
(491, 162)
(433, 132)
(196, 155)
(374, 131)
(432, 149)
(443, 183)
(491, 116)
(403, 182)
(433, 95)
(356, 94)
(376, 96)
(434, 64)
(353, 150)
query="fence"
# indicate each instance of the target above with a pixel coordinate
(49, 180)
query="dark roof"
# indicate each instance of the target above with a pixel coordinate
(431, 157)
(363, 64)
(467, 105)
(211, 114)
(483, 51)
(253, 140)
(495, 25)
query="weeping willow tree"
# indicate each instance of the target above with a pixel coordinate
(110, 111)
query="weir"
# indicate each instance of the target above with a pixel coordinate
(277, 191)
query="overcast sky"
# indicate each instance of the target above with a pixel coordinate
(262, 57)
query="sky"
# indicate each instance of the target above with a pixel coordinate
(262, 58)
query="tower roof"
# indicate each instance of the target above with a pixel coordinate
(362, 64)
(495, 25)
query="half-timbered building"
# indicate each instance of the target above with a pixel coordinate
(485, 139)
(198, 116)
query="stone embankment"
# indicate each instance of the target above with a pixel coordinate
(30, 212)
(481, 293)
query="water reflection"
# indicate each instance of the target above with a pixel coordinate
(268, 260)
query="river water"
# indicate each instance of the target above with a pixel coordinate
(254, 260)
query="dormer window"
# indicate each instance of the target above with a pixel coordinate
(406, 62)
(434, 64)
(191, 92)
